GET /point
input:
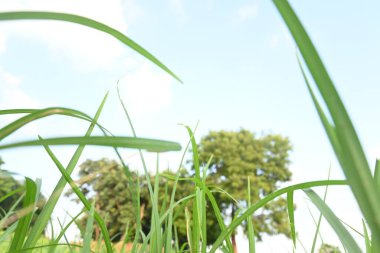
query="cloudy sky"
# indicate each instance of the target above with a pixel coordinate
(239, 68)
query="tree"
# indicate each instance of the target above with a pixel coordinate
(9, 184)
(327, 248)
(240, 155)
(104, 182)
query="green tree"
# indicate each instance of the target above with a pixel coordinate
(240, 155)
(327, 248)
(8, 184)
(104, 182)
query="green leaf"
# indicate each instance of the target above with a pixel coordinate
(46, 212)
(23, 225)
(89, 229)
(344, 236)
(368, 248)
(291, 217)
(352, 157)
(112, 141)
(250, 211)
(251, 232)
(40, 15)
(82, 198)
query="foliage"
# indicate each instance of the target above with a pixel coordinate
(8, 184)
(104, 182)
(327, 248)
(240, 155)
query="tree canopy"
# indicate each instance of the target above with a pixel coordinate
(239, 155)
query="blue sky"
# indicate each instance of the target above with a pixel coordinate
(239, 68)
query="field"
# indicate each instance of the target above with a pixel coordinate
(23, 229)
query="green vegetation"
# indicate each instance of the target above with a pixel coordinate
(160, 233)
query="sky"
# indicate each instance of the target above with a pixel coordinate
(238, 63)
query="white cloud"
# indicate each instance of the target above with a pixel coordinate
(146, 90)
(87, 49)
(12, 96)
(247, 11)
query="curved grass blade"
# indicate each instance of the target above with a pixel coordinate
(112, 141)
(353, 160)
(291, 217)
(250, 211)
(34, 115)
(344, 236)
(82, 198)
(40, 15)
(46, 212)
(31, 192)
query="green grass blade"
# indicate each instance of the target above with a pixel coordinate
(64, 236)
(262, 202)
(89, 229)
(8, 232)
(377, 174)
(291, 217)
(39, 15)
(23, 225)
(353, 162)
(367, 240)
(46, 212)
(251, 232)
(82, 198)
(63, 231)
(112, 141)
(195, 153)
(320, 217)
(329, 128)
(345, 237)
(35, 115)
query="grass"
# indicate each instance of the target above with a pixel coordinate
(22, 236)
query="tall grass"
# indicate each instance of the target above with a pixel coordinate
(21, 236)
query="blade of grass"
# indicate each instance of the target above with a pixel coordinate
(89, 229)
(63, 231)
(368, 248)
(82, 198)
(291, 217)
(39, 15)
(46, 212)
(320, 216)
(24, 223)
(35, 115)
(250, 211)
(64, 236)
(353, 161)
(251, 232)
(345, 237)
(126, 142)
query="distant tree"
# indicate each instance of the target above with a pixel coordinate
(327, 248)
(105, 182)
(9, 184)
(242, 154)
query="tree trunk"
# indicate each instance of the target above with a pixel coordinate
(233, 239)
(233, 235)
